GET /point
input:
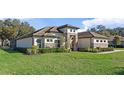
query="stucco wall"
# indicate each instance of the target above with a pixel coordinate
(86, 42)
(44, 43)
(24, 43)
(100, 44)
(83, 42)
(50, 44)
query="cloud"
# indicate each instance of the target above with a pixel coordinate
(109, 23)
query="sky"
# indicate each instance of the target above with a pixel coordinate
(82, 23)
(42, 22)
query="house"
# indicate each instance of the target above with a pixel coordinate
(92, 40)
(111, 41)
(50, 37)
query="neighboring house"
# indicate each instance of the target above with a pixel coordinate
(92, 40)
(111, 41)
(50, 37)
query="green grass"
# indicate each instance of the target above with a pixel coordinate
(74, 63)
(119, 48)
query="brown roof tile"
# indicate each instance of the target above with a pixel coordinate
(90, 35)
(48, 29)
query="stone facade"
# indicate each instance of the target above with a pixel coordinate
(50, 45)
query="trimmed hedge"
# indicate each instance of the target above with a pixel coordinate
(35, 50)
(84, 49)
(22, 50)
(95, 50)
(106, 49)
(53, 50)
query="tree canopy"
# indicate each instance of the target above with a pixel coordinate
(12, 29)
(108, 31)
(116, 41)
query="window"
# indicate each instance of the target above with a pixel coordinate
(47, 40)
(100, 40)
(74, 30)
(70, 30)
(97, 40)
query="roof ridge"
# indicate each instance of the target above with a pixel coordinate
(91, 33)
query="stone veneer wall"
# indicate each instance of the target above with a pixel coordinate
(51, 45)
(69, 41)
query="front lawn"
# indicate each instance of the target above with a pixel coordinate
(119, 48)
(74, 63)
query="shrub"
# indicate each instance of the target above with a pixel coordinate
(31, 51)
(22, 50)
(34, 47)
(84, 49)
(106, 49)
(94, 50)
(53, 50)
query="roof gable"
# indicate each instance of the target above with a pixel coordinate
(49, 29)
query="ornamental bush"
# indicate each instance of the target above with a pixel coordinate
(94, 50)
(53, 50)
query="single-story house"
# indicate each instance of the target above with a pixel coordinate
(51, 37)
(111, 41)
(92, 40)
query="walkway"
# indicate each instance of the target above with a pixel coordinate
(110, 52)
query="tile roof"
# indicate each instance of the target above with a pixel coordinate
(90, 35)
(48, 29)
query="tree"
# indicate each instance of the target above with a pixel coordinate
(100, 28)
(12, 29)
(2, 33)
(93, 29)
(116, 41)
